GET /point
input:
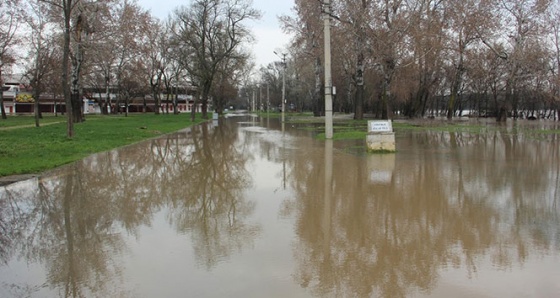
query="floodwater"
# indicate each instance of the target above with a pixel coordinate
(241, 208)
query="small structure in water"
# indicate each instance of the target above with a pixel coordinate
(380, 137)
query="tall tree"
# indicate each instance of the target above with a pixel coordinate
(427, 39)
(132, 24)
(388, 40)
(10, 14)
(76, 18)
(355, 16)
(210, 32)
(157, 50)
(464, 17)
(307, 29)
(523, 24)
(41, 54)
(103, 56)
(66, 8)
(229, 76)
(554, 20)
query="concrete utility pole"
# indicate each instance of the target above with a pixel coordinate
(328, 76)
(283, 57)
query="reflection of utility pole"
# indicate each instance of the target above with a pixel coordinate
(267, 97)
(283, 83)
(327, 208)
(328, 77)
(260, 98)
(284, 173)
(253, 102)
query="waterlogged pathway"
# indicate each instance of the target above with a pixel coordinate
(241, 208)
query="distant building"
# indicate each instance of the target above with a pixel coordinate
(18, 99)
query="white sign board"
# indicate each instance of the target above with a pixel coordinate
(380, 126)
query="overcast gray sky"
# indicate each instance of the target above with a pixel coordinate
(267, 30)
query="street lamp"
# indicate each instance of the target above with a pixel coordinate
(283, 57)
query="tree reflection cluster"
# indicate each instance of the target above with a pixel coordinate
(494, 195)
(445, 200)
(73, 221)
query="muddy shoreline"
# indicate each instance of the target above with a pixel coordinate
(7, 180)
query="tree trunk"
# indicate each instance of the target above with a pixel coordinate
(144, 104)
(451, 105)
(502, 107)
(37, 111)
(193, 109)
(204, 99)
(176, 101)
(155, 94)
(359, 97)
(318, 109)
(117, 109)
(388, 71)
(105, 108)
(68, 4)
(385, 105)
(76, 104)
(126, 100)
(167, 101)
(77, 107)
(3, 111)
(2, 105)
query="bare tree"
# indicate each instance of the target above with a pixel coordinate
(156, 49)
(388, 36)
(10, 14)
(211, 32)
(132, 24)
(66, 7)
(173, 73)
(41, 55)
(307, 28)
(103, 56)
(464, 17)
(554, 20)
(355, 16)
(229, 76)
(523, 23)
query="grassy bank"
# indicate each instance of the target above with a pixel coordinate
(25, 149)
(357, 129)
(18, 121)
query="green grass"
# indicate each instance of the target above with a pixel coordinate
(357, 129)
(28, 150)
(13, 121)
(345, 135)
(288, 115)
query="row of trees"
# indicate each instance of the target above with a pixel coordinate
(423, 57)
(116, 46)
(411, 57)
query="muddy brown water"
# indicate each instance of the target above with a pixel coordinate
(240, 208)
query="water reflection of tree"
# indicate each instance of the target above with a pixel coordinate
(9, 212)
(442, 208)
(72, 235)
(212, 207)
(100, 196)
(73, 221)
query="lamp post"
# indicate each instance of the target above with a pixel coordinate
(283, 83)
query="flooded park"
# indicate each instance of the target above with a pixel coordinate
(248, 207)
